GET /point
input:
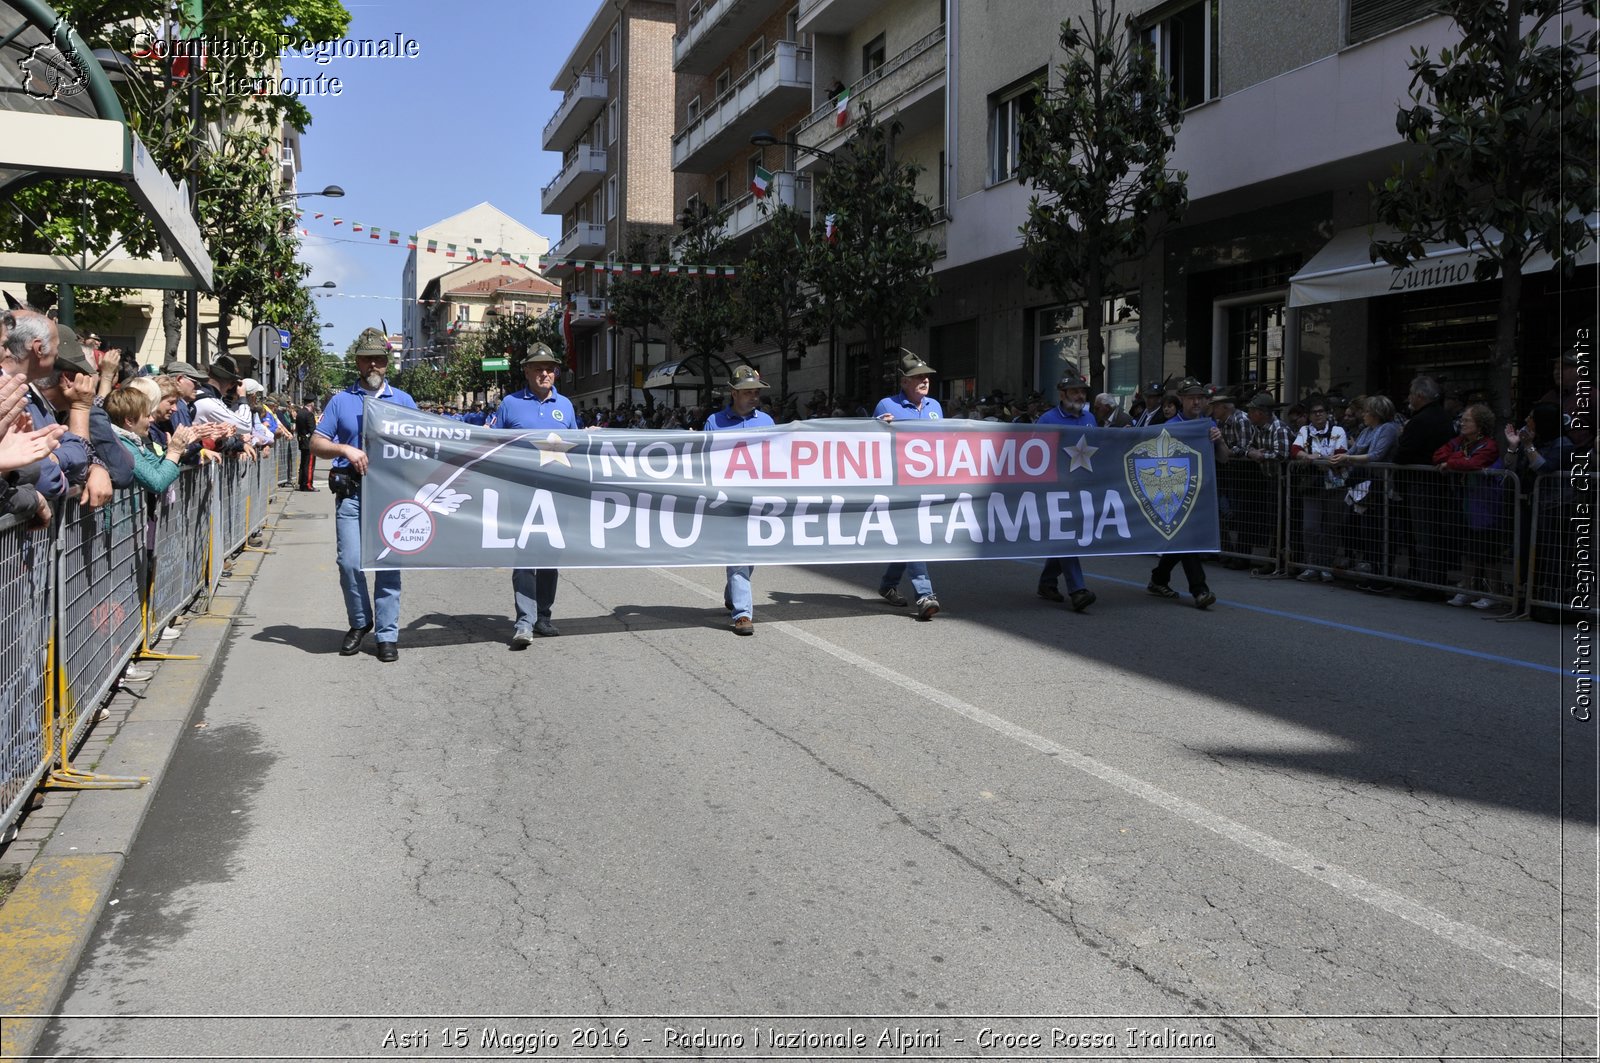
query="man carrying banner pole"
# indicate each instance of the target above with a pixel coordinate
(912, 404)
(1071, 408)
(1193, 400)
(539, 405)
(338, 436)
(742, 413)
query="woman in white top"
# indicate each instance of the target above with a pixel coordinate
(1321, 499)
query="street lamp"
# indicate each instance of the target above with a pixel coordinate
(332, 192)
(324, 284)
(764, 138)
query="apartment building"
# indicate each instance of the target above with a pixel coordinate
(460, 303)
(613, 130)
(484, 226)
(1290, 108)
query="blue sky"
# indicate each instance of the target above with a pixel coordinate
(412, 141)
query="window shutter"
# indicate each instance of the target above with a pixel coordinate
(1368, 18)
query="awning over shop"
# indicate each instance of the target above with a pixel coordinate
(1344, 268)
(684, 374)
(60, 118)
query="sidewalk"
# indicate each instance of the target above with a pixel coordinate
(68, 852)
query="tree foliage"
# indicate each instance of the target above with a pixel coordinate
(875, 274)
(1505, 131)
(699, 311)
(1095, 147)
(773, 295)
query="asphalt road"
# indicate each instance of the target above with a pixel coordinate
(1307, 822)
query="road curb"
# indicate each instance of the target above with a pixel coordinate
(49, 917)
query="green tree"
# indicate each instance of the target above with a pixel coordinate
(1095, 147)
(700, 310)
(875, 273)
(773, 295)
(637, 303)
(1506, 136)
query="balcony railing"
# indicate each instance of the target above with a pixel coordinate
(767, 91)
(583, 239)
(899, 78)
(584, 100)
(745, 213)
(835, 16)
(577, 178)
(588, 311)
(714, 28)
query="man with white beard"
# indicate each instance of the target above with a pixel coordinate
(338, 437)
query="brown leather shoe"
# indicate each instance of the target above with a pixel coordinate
(744, 626)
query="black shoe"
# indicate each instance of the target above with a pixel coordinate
(1082, 599)
(1204, 599)
(1160, 590)
(1050, 593)
(891, 595)
(352, 641)
(544, 628)
(388, 652)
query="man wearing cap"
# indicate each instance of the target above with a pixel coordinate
(338, 436)
(187, 377)
(539, 405)
(911, 404)
(1193, 399)
(215, 404)
(1073, 392)
(742, 413)
(1153, 392)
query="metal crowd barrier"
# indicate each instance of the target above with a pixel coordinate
(27, 611)
(1411, 525)
(80, 599)
(1250, 510)
(1559, 563)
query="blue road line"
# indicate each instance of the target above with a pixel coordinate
(1496, 658)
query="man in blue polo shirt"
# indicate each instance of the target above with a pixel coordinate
(1193, 401)
(533, 590)
(1071, 408)
(912, 404)
(743, 412)
(338, 437)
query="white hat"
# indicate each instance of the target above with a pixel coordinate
(251, 386)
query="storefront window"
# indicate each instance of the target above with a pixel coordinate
(1063, 341)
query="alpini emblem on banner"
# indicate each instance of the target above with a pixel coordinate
(1164, 477)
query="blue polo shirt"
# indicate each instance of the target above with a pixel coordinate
(726, 418)
(901, 408)
(341, 418)
(524, 409)
(1054, 415)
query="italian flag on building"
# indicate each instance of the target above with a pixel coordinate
(761, 182)
(843, 114)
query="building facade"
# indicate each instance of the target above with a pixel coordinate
(613, 130)
(484, 226)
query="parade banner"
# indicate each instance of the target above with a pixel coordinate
(442, 494)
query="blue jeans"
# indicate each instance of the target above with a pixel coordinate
(1056, 567)
(738, 591)
(358, 605)
(534, 591)
(920, 583)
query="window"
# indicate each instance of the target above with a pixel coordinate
(691, 206)
(1008, 109)
(616, 44)
(611, 197)
(1369, 18)
(942, 202)
(791, 25)
(1185, 45)
(519, 309)
(873, 55)
(613, 112)
(754, 54)
(691, 111)
(724, 82)
(1062, 340)
(722, 191)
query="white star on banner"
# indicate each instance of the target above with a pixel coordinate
(552, 449)
(1080, 454)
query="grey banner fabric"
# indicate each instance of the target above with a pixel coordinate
(442, 494)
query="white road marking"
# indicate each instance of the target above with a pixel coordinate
(1462, 935)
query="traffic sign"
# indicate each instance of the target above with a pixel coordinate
(263, 338)
(301, 375)
(284, 337)
(496, 365)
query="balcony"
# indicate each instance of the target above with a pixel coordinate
(768, 91)
(588, 311)
(584, 240)
(836, 16)
(745, 214)
(938, 234)
(584, 101)
(581, 175)
(714, 30)
(908, 88)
